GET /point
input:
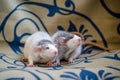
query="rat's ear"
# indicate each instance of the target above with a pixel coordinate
(37, 48)
(61, 39)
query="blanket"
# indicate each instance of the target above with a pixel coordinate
(97, 20)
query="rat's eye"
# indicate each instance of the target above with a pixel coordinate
(71, 37)
(47, 47)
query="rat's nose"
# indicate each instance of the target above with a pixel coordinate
(79, 39)
(55, 52)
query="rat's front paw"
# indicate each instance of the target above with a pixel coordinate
(70, 61)
(31, 65)
(49, 64)
(78, 57)
(57, 63)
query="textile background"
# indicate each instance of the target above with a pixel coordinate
(97, 20)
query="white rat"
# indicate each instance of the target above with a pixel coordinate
(39, 47)
(68, 46)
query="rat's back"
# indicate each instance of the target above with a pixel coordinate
(38, 36)
(60, 34)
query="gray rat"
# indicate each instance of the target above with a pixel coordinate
(69, 46)
(39, 47)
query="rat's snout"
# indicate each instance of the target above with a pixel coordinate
(55, 52)
(79, 39)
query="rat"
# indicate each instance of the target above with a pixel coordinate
(91, 43)
(40, 48)
(68, 45)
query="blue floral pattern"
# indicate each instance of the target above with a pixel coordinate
(82, 73)
(53, 9)
(90, 67)
(88, 75)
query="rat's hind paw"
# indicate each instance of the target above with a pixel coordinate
(23, 59)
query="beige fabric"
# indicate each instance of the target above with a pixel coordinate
(106, 23)
(91, 14)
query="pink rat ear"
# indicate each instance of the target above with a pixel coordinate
(61, 39)
(37, 48)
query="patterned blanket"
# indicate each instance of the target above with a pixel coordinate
(98, 21)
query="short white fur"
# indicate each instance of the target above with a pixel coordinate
(42, 56)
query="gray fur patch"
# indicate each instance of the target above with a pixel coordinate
(44, 42)
(65, 34)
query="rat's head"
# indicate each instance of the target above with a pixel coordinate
(74, 42)
(70, 40)
(64, 37)
(46, 51)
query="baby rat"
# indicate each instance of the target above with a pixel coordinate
(67, 44)
(39, 47)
